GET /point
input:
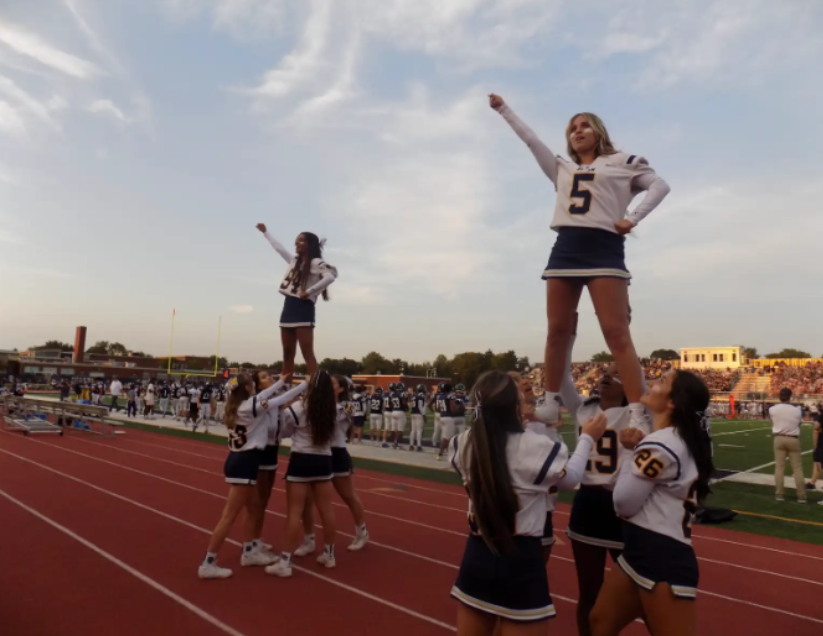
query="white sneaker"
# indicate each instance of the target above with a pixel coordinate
(307, 547)
(325, 559)
(213, 571)
(359, 542)
(281, 569)
(257, 558)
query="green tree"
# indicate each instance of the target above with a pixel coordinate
(374, 363)
(117, 349)
(749, 352)
(101, 346)
(343, 366)
(603, 356)
(506, 361)
(789, 353)
(665, 354)
(443, 367)
(471, 365)
(523, 363)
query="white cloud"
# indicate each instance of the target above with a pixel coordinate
(26, 102)
(107, 107)
(242, 309)
(10, 120)
(32, 46)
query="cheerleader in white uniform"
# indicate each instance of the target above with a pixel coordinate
(594, 190)
(248, 435)
(657, 493)
(508, 472)
(307, 278)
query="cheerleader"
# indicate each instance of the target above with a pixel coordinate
(536, 419)
(508, 472)
(248, 434)
(594, 191)
(307, 278)
(658, 493)
(311, 423)
(342, 470)
(594, 528)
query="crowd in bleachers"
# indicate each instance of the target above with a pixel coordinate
(805, 380)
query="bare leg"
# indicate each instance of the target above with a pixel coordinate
(562, 298)
(610, 297)
(472, 622)
(289, 339)
(265, 483)
(235, 502)
(345, 488)
(323, 491)
(305, 336)
(618, 604)
(590, 563)
(667, 615)
(296, 498)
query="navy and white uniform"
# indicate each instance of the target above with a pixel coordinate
(442, 405)
(205, 403)
(340, 458)
(542, 427)
(271, 454)
(359, 405)
(249, 436)
(164, 394)
(300, 312)
(418, 418)
(593, 519)
(307, 462)
(375, 411)
(656, 494)
(388, 417)
(516, 586)
(220, 404)
(590, 200)
(459, 402)
(399, 406)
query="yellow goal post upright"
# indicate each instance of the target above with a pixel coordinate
(184, 372)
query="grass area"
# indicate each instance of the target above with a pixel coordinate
(787, 520)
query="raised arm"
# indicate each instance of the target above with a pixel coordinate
(568, 391)
(287, 397)
(278, 247)
(546, 159)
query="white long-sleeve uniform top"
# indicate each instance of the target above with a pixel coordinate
(598, 195)
(536, 463)
(295, 424)
(321, 274)
(251, 430)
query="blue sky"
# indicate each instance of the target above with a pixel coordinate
(141, 140)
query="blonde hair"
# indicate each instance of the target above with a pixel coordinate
(604, 143)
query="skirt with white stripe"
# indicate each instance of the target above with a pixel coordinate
(585, 252)
(297, 312)
(650, 558)
(514, 587)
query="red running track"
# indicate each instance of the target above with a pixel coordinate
(109, 534)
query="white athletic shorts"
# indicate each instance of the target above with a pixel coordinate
(447, 427)
(205, 411)
(418, 421)
(388, 421)
(375, 421)
(399, 418)
(459, 424)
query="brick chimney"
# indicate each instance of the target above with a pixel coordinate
(79, 352)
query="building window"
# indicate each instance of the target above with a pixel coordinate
(702, 357)
(721, 357)
(715, 357)
(734, 357)
(685, 357)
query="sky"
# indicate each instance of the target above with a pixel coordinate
(142, 140)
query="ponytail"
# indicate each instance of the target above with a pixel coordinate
(691, 420)
(494, 501)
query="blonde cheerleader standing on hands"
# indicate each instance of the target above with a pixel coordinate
(307, 278)
(594, 190)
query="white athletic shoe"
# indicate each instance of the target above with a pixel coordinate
(325, 559)
(213, 571)
(257, 558)
(359, 542)
(307, 547)
(281, 569)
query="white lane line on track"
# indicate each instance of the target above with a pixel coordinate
(452, 566)
(207, 532)
(198, 611)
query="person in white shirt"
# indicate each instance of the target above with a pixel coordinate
(508, 472)
(248, 435)
(115, 389)
(149, 400)
(307, 278)
(786, 421)
(657, 494)
(594, 190)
